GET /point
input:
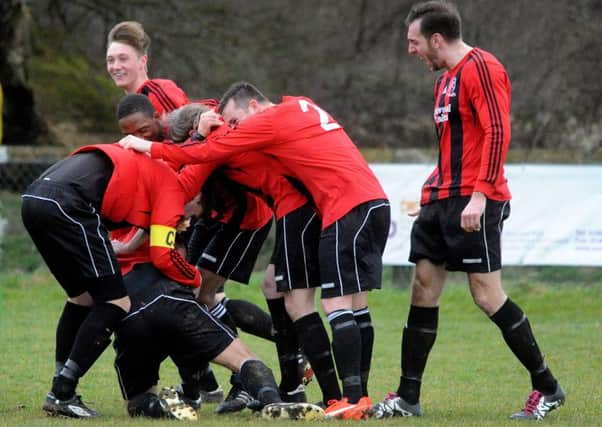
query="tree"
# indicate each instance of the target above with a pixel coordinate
(22, 124)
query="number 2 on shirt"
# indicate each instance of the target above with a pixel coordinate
(324, 118)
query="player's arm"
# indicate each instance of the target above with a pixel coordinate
(490, 96)
(193, 177)
(167, 210)
(220, 144)
(489, 91)
(123, 247)
(167, 259)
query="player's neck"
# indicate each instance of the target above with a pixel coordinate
(133, 88)
(456, 52)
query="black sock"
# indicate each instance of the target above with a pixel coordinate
(517, 333)
(418, 339)
(258, 380)
(346, 341)
(196, 379)
(63, 387)
(71, 319)
(314, 341)
(220, 312)
(207, 379)
(92, 339)
(364, 322)
(287, 345)
(250, 318)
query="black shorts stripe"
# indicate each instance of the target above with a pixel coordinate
(355, 243)
(295, 255)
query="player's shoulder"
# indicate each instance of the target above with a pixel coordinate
(161, 83)
(164, 88)
(481, 59)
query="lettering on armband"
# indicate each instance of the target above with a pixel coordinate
(163, 236)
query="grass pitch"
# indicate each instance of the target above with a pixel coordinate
(472, 378)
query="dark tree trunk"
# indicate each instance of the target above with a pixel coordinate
(21, 122)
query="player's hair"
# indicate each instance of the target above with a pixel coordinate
(437, 17)
(134, 103)
(131, 33)
(183, 120)
(241, 93)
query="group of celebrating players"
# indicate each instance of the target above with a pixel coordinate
(190, 194)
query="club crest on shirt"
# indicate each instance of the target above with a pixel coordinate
(450, 89)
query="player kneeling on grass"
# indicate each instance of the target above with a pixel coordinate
(166, 321)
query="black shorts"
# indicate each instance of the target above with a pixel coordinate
(170, 323)
(202, 231)
(438, 237)
(295, 255)
(351, 250)
(232, 252)
(68, 232)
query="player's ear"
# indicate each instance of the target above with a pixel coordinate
(436, 40)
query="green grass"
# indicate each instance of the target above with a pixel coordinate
(472, 379)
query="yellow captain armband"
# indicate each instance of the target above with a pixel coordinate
(163, 236)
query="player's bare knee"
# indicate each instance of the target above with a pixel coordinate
(124, 303)
(268, 285)
(84, 299)
(344, 302)
(423, 294)
(235, 355)
(299, 303)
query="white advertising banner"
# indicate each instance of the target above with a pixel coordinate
(555, 219)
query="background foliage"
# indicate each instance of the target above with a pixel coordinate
(350, 56)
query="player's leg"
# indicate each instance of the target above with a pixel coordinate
(428, 251)
(487, 291)
(237, 264)
(314, 341)
(287, 346)
(231, 254)
(351, 263)
(64, 227)
(361, 313)
(249, 317)
(297, 275)
(201, 337)
(140, 349)
(259, 381)
(74, 313)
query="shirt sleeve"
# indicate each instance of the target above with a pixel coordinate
(490, 94)
(254, 133)
(167, 210)
(193, 177)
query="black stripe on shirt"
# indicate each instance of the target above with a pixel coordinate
(162, 96)
(497, 134)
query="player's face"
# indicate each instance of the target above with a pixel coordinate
(419, 46)
(235, 115)
(125, 65)
(142, 126)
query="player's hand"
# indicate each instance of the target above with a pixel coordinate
(208, 120)
(414, 212)
(470, 219)
(132, 142)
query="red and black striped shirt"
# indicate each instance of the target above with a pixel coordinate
(472, 119)
(164, 94)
